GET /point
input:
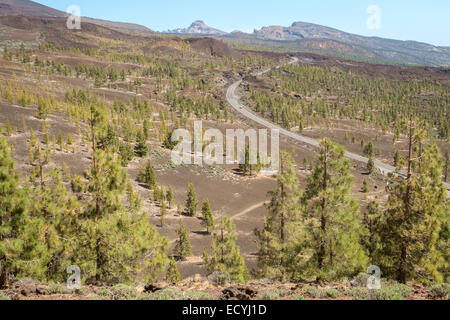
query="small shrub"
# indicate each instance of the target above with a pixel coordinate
(120, 292)
(81, 291)
(333, 293)
(271, 294)
(314, 292)
(360, 280)
(4, 296)
(297, 297)
(197, 295)
(361, 293)
(441, 291)
(395, 291)
(219, 278)
(58, 289)
(166, 294)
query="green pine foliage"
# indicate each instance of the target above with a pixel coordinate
(370, 238)
(147, 175)
(208, 219)
(191, 202)
(141, 148)
(225, 254)
(170, 197)
(13, 215)
(248, 169)
(183, 244)
(113, 242)
(173, 275)
(371, 165)
(414, 219)
(331, 217)
(277, 240)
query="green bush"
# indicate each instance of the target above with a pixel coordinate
(361, 293)
(166, 294)
(388, 291)
(4, 296)
(196, 295)
(119, 292)
(315, 293)
(441, 291)
(219, 278)
(297, 296)
(394, 291)
(333, 293)
(58, 289)
(271, 294)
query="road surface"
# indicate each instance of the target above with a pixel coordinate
(233, 99)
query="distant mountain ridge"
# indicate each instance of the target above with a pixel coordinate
(300, 36)
(27, 7)
(198, 28)
(329, 41)
(393, 50)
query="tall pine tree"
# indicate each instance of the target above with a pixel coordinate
(208, 219)
(276, 239)
(225, 254)
(331, 217)
(413, 219)
(13, 214)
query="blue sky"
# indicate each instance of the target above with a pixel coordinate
(426, 21)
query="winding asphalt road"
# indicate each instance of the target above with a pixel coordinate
(233, 99)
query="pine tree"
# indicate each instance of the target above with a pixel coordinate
(163, 213)
(173, 275)
(208, 219)
(106, 183)
(115, 243)
(126, 153)
(191, 202)
(369, 150)
(245, 167)
(141, 148)
(60, 140)
(371, 165)
(370, 222)
(43, 109)
(9, 129)
(414, 213)
(183, 244)
(13, 214)
(225, 254)
(54, 215)
(134, 200)
(169, 197)
(365, 188)
(147, 176)
(276, 239)
(332, 216)
(248, 169)
(398, 161)
(146, 129)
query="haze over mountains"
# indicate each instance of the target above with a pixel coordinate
(300, 36)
